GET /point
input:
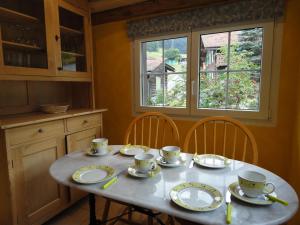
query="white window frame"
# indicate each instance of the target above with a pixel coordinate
(270, 72)
(137, 77)
(266, 69)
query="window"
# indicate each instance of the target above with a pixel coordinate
(216, 72)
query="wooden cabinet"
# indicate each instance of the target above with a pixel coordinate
(28, 146)
(44, 40)
(37, 194)
(79, 141)
(74, 41)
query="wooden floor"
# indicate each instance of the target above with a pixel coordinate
(78, 214)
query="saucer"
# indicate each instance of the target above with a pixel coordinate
(161, 161)
(236, 191)
(135, 173)
(90, 153)
(212, 161)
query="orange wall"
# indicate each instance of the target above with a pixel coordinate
(113, 91)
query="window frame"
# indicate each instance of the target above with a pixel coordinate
(271, 60)
(266, 71)
(138, 71)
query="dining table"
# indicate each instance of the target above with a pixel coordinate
(153, 193)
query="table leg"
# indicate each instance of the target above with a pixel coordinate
(92, 205)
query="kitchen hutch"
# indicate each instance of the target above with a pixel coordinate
(45, 58)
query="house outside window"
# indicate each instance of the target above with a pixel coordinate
(224, 71)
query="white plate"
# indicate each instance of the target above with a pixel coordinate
(212, 161)
(135, 173)
(93, 174)
(161, 161)
(236, 191)
(132, 150)
(90, 153)
(196, 196)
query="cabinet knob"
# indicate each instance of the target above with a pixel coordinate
(85, 121)
(40, 130)
(60, 68)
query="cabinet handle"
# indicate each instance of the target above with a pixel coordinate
(60, 68)
(40, 130)
(56, 37)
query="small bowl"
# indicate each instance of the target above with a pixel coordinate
(49, 108)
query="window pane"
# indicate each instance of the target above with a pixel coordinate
(175, 53)
(153, 90)
(152, 57)
(243, 91)
(213, 51)
(246, 49)
(213, 90)
(176, 90)
(163, 78)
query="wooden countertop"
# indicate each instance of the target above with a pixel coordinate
(18, 120)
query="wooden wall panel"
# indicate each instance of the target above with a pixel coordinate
(26, 96)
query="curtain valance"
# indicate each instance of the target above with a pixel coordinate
(222, 14)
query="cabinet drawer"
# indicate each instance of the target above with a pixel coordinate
(35, 132)
(83, 122)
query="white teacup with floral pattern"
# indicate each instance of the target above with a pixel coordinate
(99, 145)
(144, 162)
(170, 153)
(254, 184)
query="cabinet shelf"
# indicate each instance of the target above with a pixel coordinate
(68, 30)
(73, 54)
(22, 46)
(14, 16)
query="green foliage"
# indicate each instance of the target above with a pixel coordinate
(172, 54)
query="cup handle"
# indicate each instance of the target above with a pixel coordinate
(153, 165)
(271, 190)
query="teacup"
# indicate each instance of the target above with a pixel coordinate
(144, 162)
(99, 145)
(170, 153)
(254, 184)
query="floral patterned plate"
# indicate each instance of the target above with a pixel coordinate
(132, 150)
(93, 174)
(236, 191)
(135, 173)
(196, 196)
(91, 153)
(212, 161)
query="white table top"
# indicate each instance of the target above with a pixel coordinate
(153, 193)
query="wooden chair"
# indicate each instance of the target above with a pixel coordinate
(223, 136)
(152, 129)
(155, 130)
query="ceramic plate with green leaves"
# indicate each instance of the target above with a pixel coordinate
(196, 196)
(132, 150)
(135, 173)
(212, 161)
(236, 191)
(93, 174)
(92, 153)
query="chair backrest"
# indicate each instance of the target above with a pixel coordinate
(223, 136)
(152, 129)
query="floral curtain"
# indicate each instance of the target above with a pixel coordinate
(227, 13)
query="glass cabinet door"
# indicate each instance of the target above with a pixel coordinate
(72, 41)
(23, 34)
